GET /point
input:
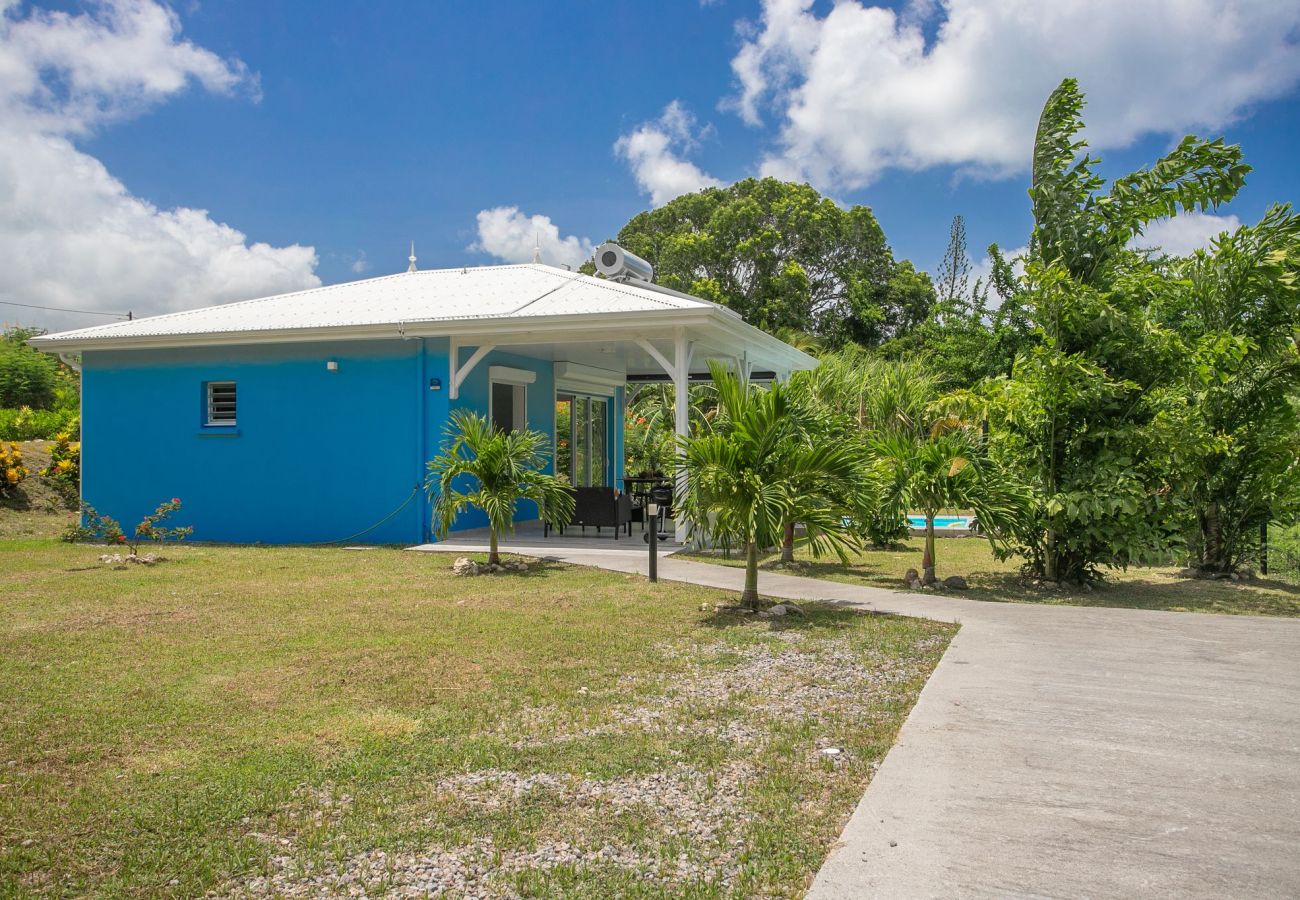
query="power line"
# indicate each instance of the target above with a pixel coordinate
(84, 312)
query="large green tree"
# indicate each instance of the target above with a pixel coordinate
(1237, 307)
(1092, 414)
(784, 257)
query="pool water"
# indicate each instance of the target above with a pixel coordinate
(940, 521)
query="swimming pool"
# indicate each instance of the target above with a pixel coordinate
(960, 522)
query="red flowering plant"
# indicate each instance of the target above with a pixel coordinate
(91, 526)
(152, 527)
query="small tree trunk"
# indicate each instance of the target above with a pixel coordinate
(749, 596)
(787, 544)
(494, 555)
(927, 558)
(1213, 552)
(1050, 562)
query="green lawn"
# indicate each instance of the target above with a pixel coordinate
(995, 580)
(269, 721)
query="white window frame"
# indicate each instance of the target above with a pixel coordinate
(208, 407)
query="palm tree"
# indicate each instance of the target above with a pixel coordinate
(502, 467)
(946, 469)
(750, 473)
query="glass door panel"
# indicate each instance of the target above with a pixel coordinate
(581, 439)
(564, 436)
(597, 476)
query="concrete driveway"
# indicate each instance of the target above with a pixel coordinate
(1068, 752)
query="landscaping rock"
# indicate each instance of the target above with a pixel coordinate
(117, 559)
(955, 583)
(1189, 572)
(782, 609)
(464, 566)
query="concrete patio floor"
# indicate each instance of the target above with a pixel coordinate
(528, 540)
(1065, 751)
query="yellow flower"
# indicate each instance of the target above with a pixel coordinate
(11, 476)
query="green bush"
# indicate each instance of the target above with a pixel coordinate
(27, 424)
(27, 377)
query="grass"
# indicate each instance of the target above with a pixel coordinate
(255, 720)
(996, 580)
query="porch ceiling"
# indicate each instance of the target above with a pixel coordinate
(605, 348)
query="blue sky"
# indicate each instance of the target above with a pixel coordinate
(321, 138)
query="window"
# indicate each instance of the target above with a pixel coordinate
(221, 403)
(508, 406)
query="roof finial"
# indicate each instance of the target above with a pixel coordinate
(537, 248)
(411, 267)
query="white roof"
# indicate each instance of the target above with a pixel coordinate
(482, 292)
(530, 299)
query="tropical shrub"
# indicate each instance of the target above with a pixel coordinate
(27, 424)
(64, 469)
(27, 377)
(12, 470)
(92, 526)
(485, 467)
(1237, 307)
(649, 447)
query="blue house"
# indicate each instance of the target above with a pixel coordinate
(309, 417)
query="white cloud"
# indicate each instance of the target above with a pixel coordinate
(71, 234)
(859, 89)
(653, 151)
(360, 264)
(509, 235)
(1184, 233)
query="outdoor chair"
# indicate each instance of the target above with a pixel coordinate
(600, 507)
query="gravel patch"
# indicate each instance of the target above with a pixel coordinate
(702, 811)
(789, 678)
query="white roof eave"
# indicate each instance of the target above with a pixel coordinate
(598, 325)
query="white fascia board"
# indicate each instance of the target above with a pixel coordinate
(764, 350)
(506, 329)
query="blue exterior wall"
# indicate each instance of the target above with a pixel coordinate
(540, 410)
(316, 456)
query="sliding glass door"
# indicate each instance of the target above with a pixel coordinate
(581, 428)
